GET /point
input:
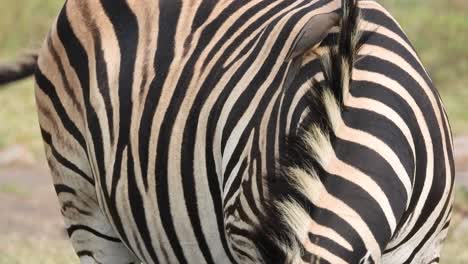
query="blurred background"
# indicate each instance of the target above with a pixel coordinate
(31, 229)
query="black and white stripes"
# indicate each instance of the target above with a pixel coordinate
(200, 131)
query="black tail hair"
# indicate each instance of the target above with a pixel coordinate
(20, 69)
(298, 183)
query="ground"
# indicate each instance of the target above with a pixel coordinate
(31, 227)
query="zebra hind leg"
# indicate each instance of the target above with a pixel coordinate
(92, 236)
(90, 232)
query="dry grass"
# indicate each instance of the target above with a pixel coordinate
(16, 249)
(19, 119)
(438, 30)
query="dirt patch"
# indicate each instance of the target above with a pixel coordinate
(28, 204)
(461, 160)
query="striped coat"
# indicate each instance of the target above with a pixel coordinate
(200, 131)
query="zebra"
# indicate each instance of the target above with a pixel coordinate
(287, 131)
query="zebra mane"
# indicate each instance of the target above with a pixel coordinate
(298, 184)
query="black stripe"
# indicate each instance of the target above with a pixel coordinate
(138, 210)
(265, 69)
(405, 80)
(169, 14)
(327, 218)
(187, 157)
(382, 20)
(235, 185)
(360, 199)
(400, 106)
(248, 31)
(74, 228)
(49, 89)
(125, 26)
(102, 78)
(379, 170)
(64, 161)
(69, 204)
(431, 231)
(79, 62)
(62, 188)
(331, 246)
(66, 83)
(86, 253)
(203, 12)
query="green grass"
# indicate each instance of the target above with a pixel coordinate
(23, 26)
(439, 32)
(19, 119)
(456, 102)
(13, 189)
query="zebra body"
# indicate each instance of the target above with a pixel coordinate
(166, 125)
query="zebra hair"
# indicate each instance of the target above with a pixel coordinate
(298, 184)
(20, 69)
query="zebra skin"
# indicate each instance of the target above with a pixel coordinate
(248, 131)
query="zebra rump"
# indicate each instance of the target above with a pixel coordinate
(298, 183)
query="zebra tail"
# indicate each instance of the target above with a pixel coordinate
(296, 188)
(20, 69)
